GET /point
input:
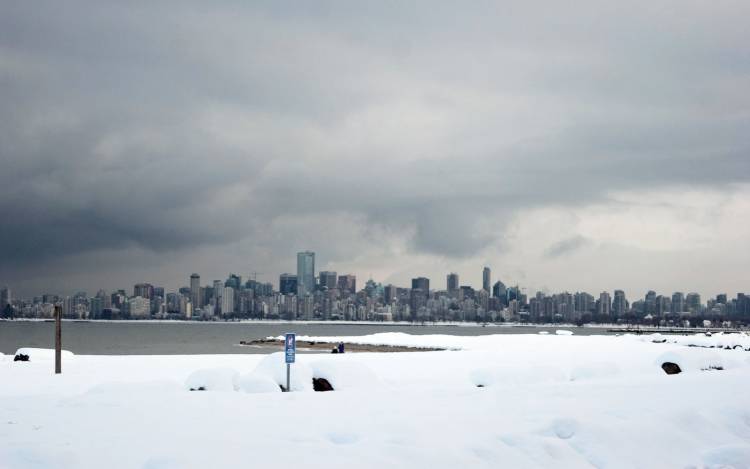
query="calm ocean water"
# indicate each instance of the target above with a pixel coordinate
(154, 338)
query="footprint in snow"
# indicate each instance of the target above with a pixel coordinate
(564, 428)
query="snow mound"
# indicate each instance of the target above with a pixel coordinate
(345, 374)
(515, 375)
(273, 367)
(695, 360)
(657, 338)
(543, 332)
(43, 354)
(255, 383)
(563, 332)
(213, 379)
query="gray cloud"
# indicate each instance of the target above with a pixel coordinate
(178, 126)
(566, 246)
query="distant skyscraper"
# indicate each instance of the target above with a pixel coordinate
(227, 301)
(328, 280)
(5, 298)
(604, 304)
(234, 281)
(486, 282)
(420, 283)
(305, 272)
(650, 303)
(218, 292)
(144, 290)
(620, 304)
(195, 291)
(347, 283)
(452, 284)
(287, 284)
(389, 294)
(678, 302)
(693, 301)
(499, 291)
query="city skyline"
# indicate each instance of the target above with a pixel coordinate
(288, 283)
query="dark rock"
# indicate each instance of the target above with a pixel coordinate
(321, 384)
(199, 388)
(21, 358)
(335, 350)
(671, 368)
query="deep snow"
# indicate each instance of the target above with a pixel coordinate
(544, 401)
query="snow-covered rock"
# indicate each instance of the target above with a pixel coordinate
(345, 374)
(563, 332)
(691, 360)
(43, 354)
(273, 367)
(257, 383)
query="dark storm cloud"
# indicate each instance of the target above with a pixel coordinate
(566, 246)
(171, 126)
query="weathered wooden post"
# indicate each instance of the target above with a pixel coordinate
(58, 340)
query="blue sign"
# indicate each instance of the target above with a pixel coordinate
(290, 347)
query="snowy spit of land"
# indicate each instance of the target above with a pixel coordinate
(554, 400)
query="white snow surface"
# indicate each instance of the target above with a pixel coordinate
(545, 401)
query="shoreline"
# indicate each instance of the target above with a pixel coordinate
(311, 346)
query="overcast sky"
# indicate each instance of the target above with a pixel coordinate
(568, 145)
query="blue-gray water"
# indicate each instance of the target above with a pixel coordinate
(151, 338)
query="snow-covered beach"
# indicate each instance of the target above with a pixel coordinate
(489, 401)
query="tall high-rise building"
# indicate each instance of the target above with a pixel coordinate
(6, 298)
(619, 304)
(144, 290)
(678, 302)
(420, 283)
(218, 292)
(305, 272)
(390, 294)
(348, 283)
(693, 302)
(452, 284)
(499, 291)
(328, 280)
(486, 282)
(583, 302)
(195, 291)
(650, 302)
(227, 301)
(604, 304)
(288, 284)
(234, 281)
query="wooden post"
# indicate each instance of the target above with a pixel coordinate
(58, 340)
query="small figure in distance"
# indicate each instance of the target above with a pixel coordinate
(341, 347)
(335, 350)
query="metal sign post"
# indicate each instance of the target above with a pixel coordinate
(290, 348)
(58, 340)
